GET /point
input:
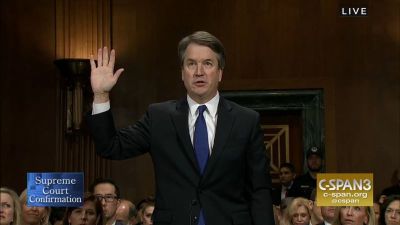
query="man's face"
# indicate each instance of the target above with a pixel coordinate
(328, 213)
(109, 200)
(201, 73)
(286, 176)
(314, 163)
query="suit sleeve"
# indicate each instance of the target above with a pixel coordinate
(259, 178)
(120, 144)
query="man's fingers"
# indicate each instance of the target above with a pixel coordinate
(105, 56)
(118, 73)
(112, 59)
(92, 63)
(100, 57)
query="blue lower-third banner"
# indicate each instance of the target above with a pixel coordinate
(55, 189)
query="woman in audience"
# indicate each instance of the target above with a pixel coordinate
(377, 211)
(91, 213)
(299, 212)
(279, 211)
(33, 215)
(390, 211)
(146, 208)
(10, 207)
(355, 215)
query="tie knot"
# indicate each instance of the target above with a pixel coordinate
(201, 109)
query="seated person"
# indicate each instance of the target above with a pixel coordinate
(390, 211)
(298, 213)
(33, 215)
(10, 207)
(91, 213)
(287, 174)
(354, 215)
(304, 184)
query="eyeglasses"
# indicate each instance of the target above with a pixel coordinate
(4, 205)
(107, 198)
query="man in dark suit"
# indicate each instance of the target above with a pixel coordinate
(287, 175)
(208, 153)
(328, 214)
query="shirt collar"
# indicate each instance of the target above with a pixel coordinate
(212, 105)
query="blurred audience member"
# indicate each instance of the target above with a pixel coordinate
(281, 209)
(34, 215)
(390, 211)
(328, 214)
(146, 208)
(107, 193)
(91, 213)
(298, 213)
(57, 215)
(126, 213)
(377, 211)
(317, 214)
(304, 184)
(10, 207)
(354, 215)
(287, 174)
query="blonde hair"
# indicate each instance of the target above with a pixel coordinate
(292, 208)
(43, 221)
(17, 215)
(368, 209)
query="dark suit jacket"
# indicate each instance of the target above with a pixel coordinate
(276, 194)
(235, 186)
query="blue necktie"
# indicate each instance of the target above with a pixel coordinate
(200, 139)
(200, 142)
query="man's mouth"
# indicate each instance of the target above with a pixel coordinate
(200, 83)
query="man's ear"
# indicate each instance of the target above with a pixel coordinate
(220, 75)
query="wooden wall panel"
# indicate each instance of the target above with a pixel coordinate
(270, 45)
(28, 90)
(81, 28)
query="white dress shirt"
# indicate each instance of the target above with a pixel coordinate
(210, 115)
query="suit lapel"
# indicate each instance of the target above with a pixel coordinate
(224, 125)
(180, 120)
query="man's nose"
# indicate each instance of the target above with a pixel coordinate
(199, 70)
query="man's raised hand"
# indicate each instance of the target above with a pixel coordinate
(102, 77)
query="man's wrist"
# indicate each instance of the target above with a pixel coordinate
(101, 98)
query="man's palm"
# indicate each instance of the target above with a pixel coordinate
(102, 77)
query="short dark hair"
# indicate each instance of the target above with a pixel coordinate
(206, 39)
(147, 201)
(101, 180)
(384, 206)
(88, 197)
(289, 166)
